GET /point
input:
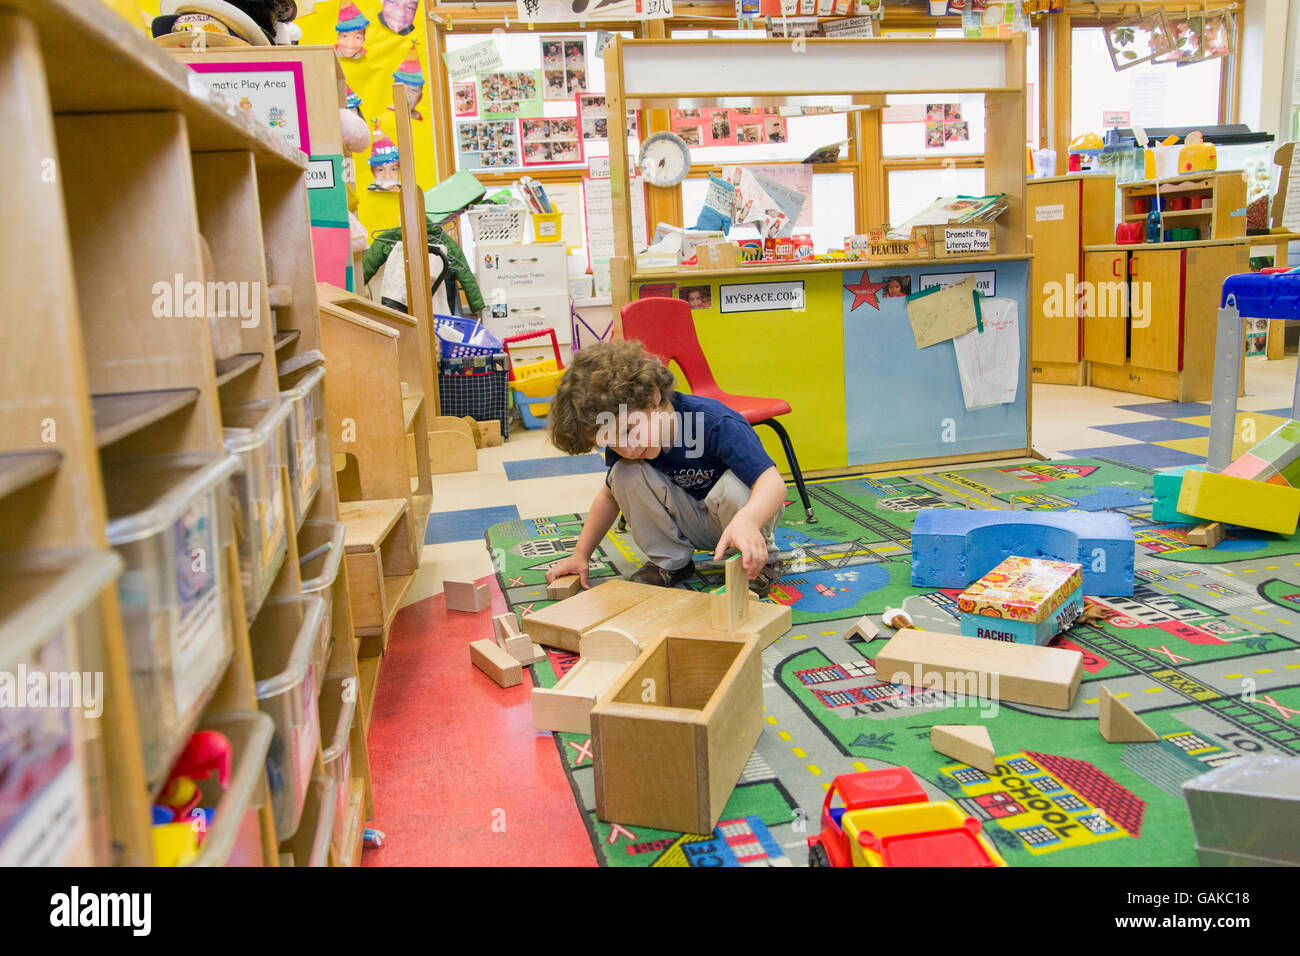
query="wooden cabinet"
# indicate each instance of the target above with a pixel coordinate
(1064, 214)
(1151, 315)
(1105, 320)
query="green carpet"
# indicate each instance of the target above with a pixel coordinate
(1206, 651)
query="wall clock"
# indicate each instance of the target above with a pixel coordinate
(665, 159)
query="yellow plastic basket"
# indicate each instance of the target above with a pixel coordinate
(546, 227)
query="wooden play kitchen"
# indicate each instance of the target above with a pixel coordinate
(171, 519)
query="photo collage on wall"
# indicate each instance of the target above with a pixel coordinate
(594, 117)
(487, 144)
(550, 141)
(465, 98)
(510, 93)
(742, 126)
(944, 124)
(564, 67)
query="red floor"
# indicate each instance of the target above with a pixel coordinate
(459, 774)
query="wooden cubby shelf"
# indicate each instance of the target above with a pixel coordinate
(230, 369)
(20, 469)
(124, 413)
(156, 177)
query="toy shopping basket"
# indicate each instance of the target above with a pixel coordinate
(455, 335)
(534, 383)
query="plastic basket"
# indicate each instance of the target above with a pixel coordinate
(525, 404)
(494, 223)
(467, 328)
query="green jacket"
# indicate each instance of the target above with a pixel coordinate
(377, 255)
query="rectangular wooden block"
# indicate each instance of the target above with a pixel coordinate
(1021, 673)
(731, 607)
(505, 626)
(565, 586)
(673, 733)
(566, 707)
(496, 663)
(466, 596)
(562, 625)
(1252, 504)
(1206, 535)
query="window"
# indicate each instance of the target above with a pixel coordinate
(1155, 94)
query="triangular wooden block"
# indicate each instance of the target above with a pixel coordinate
(1118, 724)
(864, 628)
(969, 743)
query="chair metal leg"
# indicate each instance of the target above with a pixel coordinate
(781, 433)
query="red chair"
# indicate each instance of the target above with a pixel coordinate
(667, 330)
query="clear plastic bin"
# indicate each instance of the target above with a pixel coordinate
(338, 711)
(326, 810)
(324, 569)
(305, 423)
(285, 638)
(224, 844)
(53, 808)
(255, 432)
(165, 519)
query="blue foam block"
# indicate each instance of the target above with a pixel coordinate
(1167, 485)
(952, 548)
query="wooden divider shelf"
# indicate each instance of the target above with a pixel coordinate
(124, 413)
(235, 366)
(22, 468)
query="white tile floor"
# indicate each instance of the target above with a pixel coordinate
(1059, 414)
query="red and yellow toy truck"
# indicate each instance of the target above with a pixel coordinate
(884, 818)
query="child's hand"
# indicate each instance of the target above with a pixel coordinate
(573, 564)
(746, 537)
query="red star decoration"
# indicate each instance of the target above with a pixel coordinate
(865, 291)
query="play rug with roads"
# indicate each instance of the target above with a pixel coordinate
(1207, 651)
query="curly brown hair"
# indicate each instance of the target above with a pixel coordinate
(601, 378)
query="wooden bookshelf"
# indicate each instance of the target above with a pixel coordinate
(130, 180)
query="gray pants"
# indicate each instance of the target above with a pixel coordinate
(668, 524)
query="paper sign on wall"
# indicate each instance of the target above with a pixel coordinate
(1054, 213)
(986, 282)
(939, 314)
(988, 362)
(483, 57)
(762, 297)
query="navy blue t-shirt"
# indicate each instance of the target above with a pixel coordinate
(710, 438)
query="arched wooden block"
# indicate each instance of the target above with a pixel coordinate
(607, 643)
(451, 450)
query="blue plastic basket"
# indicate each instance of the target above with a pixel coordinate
(453, 349)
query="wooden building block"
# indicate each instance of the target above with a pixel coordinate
(670, 607)
(1118, 724)
(1253, 504)
(969, 743)
(1020, 673)
(766, 621)
(466, 596)
(864, 628)
(496, 663)
(565, 586)
(491, 432)
(505, 626)
(731, 607)
(1207, 535)
(566, 707)
(522, 649)
(562, 625)
(673, 733)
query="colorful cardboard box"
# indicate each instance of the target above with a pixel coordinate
(1023, 600)
(1276, 459)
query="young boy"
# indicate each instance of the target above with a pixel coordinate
(687, 472)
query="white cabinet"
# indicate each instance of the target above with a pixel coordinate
(526, 288)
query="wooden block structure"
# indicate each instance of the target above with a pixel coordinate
(969, 743)
(565, 586)
(674, 732)
(496, 663)
(1117, 723)
(1212, 496)
(468, 596)
(519, 646)
(1020, 673)
(864, 628)
(1207, 535)
(730, 608)
(566, 707)
(642, 610)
